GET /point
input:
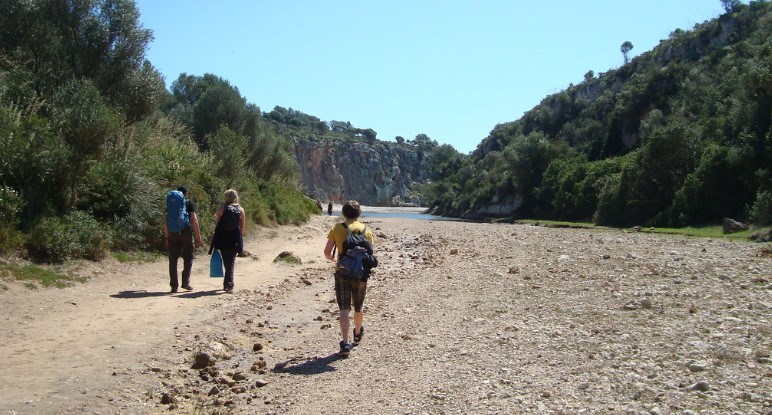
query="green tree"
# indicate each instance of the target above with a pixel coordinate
(626, 48)
(85, 122)
(729, 5)
(228, 151)
(100, 40)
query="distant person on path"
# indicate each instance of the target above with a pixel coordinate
(229, 232)
(348, 290)
(319, 206)
(180, 227)
(329, 209)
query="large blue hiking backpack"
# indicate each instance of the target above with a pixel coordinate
(177, 218)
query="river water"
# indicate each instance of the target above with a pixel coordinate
(375, 212)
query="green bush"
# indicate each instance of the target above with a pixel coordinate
(76, 235)
(10, 205)
(271, 202)
(761, 212)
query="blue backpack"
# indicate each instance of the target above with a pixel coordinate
(177, 218)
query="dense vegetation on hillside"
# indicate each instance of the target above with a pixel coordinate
(679, 135)
(90, 140)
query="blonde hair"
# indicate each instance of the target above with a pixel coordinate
(230, 197)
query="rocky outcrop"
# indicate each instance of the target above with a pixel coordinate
(376, 174)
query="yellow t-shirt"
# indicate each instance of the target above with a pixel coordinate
(338, 232)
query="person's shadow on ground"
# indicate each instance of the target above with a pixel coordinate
(199, 294)
(313, 366)
(145, 293)
(139, 294)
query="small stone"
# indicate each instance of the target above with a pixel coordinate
(167, 399)
(202, 360)
(700, 386)
(260, 383)
(454, 251)
(214, 391)
(257, 347)
(697, 366)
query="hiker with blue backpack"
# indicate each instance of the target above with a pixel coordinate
(353, 241)
(180, 227)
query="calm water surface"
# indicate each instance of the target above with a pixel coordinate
(375, 212)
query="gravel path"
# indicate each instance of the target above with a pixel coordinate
(465, 318)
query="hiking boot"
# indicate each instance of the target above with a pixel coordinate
(173, 291)
(345, 349)
(187, 287)
(358, 337)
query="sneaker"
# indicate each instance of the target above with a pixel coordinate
(345, 349)
(187, 287)
(358, 337)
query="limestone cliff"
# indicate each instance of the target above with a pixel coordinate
(375, 174)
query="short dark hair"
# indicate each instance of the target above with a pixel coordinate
(183, 190)
(351, 209)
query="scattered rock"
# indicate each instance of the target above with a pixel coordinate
(454, 251)
(697, 366)
(167, 399)
(288, 257)
(214, 391)
(257, 347)
(202, 360)
(732, 226)
(700, 386)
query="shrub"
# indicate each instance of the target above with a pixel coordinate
(10, 205)
(761, 212)
(76, 235)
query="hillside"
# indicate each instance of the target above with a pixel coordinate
(679, 135)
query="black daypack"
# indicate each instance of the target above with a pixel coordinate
(356, 259)
(231, 218)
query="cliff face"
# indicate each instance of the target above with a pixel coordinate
(377, 174)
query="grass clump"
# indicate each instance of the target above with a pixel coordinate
(33, 275)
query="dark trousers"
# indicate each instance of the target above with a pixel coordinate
(180, 244)
(229, 261)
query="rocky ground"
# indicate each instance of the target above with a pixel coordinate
(461, 318)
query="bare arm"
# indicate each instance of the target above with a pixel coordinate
(196, 229)
(218, 215)
(243, 222)
(328, 250)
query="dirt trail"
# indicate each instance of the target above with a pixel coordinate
(534, 320)
(60, 345)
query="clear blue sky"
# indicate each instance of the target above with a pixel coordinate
(449, 69)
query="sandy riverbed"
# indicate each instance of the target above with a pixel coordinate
(462, 318)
